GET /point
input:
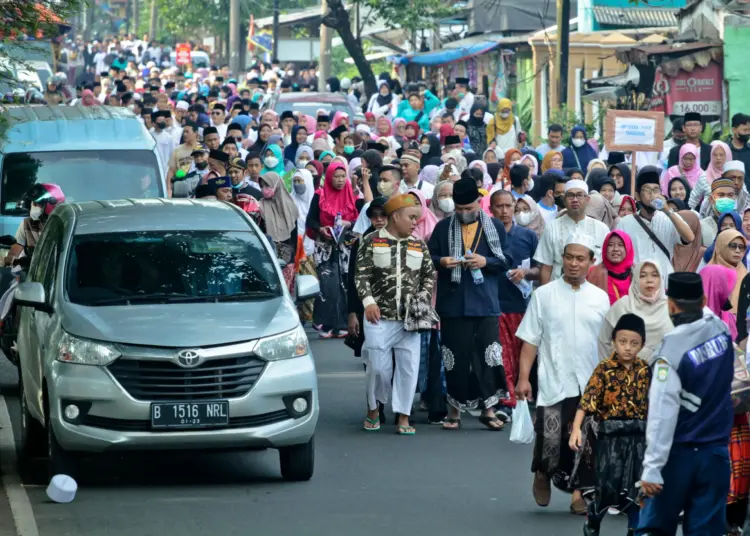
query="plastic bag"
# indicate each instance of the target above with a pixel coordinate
(522, 431)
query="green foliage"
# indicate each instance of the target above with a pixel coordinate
(341, 69)
(568, 118)
(410, 15)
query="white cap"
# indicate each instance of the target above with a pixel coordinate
(581, 239)
(363, 129)
(346, 83)
(62, 489)
(182, 105)
(734, 165)
(576, 184)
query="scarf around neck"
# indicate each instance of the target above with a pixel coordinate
(456, 245)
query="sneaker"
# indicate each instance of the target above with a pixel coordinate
(504, 413)
(342, 334)
(542, 490)
(613, 511)
(317, 327)
(325, 334)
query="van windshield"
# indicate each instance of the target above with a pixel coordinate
(82, 175)
(168, 267)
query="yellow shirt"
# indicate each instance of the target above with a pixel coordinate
(468, 234)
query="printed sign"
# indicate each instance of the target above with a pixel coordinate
(695, 91)
(626, 130)
(182, 51)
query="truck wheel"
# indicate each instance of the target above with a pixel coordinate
(298, 461)
(33, 434)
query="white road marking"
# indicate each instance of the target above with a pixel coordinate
(20, 506)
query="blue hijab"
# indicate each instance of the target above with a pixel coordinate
(578, 157)
(290, 151)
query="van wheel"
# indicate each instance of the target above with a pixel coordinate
(298, 461)
(33, 434)
(61, 461)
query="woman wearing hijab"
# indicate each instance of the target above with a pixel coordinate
(476, 130)
(317, 171)
(429, 146)
(688, 167)
(303, 191)
(442, 204)
(280, 215)
(504, 128)
(429, 174)
(373, 161)
(487, 183)
(727, 220)
(88, 98)
(580, 153)
(678, 188)
(729, 251)
(303, 156)
(552, 160)
(688, 258)
(399, 130)
(530, 162)
(384, 102)
(613, 275)
(511, 157)
(527, 215)
(627, 207)
(264, 133)
(596, 163)
(644, 298)
(298, 137)
(273, 160)
(490, 156)
(427, 220)
(720, 154)
(601, 194)
(333, 205)
(718, 283)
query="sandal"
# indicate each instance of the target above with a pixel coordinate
(451, 421)
(404, 429)
(492, 423)
(374, 425)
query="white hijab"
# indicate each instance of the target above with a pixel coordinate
(303, 207)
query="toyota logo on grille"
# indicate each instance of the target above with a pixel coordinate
(188, 358)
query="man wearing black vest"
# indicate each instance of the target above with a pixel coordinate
(693, 129)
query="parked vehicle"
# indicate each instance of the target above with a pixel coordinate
(198, 59)
(98, 152)
(309, 103)
(162, 325)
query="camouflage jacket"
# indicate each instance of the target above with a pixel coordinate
(390, 272)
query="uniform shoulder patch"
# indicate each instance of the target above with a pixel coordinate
(662, 371)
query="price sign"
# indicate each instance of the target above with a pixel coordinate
(183, 53)
(701, 107)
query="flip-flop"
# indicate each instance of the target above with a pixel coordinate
(485, 420)
(452, 421)
(375, 425)
(405, 430)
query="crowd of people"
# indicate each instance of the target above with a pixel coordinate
(462, 264)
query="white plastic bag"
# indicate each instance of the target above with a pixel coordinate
(522, 431)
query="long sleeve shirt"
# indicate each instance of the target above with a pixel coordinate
(664, 408)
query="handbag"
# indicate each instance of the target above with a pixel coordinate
(420, 316)
(652, 236)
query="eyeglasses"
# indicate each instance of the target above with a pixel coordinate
(737, 247)
(655, 190)
(217, 112)
(571, 195)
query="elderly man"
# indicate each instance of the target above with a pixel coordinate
(394, 279)
(468, 250)
(561, 324)
(654, 232)
(549, 254)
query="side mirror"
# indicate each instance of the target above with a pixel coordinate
(307, 287)
(31, 294)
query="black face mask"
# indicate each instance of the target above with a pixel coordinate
(744, 138)
(560, 201)
(161, 125)
(201, 165)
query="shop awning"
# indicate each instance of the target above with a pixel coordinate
(445, 55)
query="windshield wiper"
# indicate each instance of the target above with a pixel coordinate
(239, 296)
(140, 298)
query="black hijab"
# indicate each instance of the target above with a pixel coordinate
(477, 121)
(374, 161)
(626, 177)
(434, 149)
(684, 183)
(598, 178)
(493, 170)
(384, 100)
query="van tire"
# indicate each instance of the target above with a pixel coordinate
(33, 434)
(298, 461)
(60, 461)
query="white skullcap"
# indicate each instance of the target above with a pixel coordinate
(182, 105)
(581, 239)
(346, 83)
(363, 129)
(734, 165)
(576, 184)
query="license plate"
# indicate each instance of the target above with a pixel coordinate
(189, 414)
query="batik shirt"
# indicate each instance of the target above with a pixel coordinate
(391, 271)
(617, 392)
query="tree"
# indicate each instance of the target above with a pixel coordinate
(406, 14)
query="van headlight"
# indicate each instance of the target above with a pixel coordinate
(284, 346)
(85, 352)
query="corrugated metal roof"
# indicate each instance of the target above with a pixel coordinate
(635, 16)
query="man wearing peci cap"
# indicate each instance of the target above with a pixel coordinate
(394, 280)
(165, 142)
(561, 324)
(221, 188)
(410, 164)
(686, 465)
(693, 129)
(549, 254)
(655, 232)
(725, 192)
(240, 183)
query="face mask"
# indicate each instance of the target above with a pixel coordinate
(725, 204)
(201, 165)
(559, 201)
(302, 163)
(348, 149)
(744, 138)
(529, 185)
(467, 217)
(523, 218)
(447, 205)
(505, 115)
(424, 149)
(268, 192)
(271, 162)
(35, 213)
(578, 142)
(161, 125)
(385, 188)
(300, 188)
(461, 95)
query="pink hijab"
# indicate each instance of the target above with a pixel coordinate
(718, 283)
(308, 122)
(427, 220)
(619, 275)
(384, 119)
(691, 175)
(88, 98)
(714, 172)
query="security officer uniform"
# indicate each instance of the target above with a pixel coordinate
(689, 419)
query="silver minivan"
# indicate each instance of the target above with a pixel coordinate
(160, 324)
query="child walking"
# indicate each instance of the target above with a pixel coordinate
(617, 398)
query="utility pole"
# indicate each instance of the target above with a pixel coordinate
(326, 37)
(275, 47)
(152, 22)
(89, 21)
(234, 36)
(136, 18)
(563, 47)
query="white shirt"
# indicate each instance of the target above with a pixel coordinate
(363, 222)
(99, 60)
(549, 215)
(552, 243)
(564, 325)
(426, 188)
(222, 129)
(165, 144)
(645, 248)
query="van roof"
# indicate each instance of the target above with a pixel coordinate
(137, 215)
(41, 128)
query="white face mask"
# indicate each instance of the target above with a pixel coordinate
(505, 115)
(523, 218)
(578, 142)
(271, 162)
(447, 205)
(35, 213)
(424, 148)
(530, 185)
(302, 163)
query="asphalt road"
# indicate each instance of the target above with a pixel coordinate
(438, 483)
